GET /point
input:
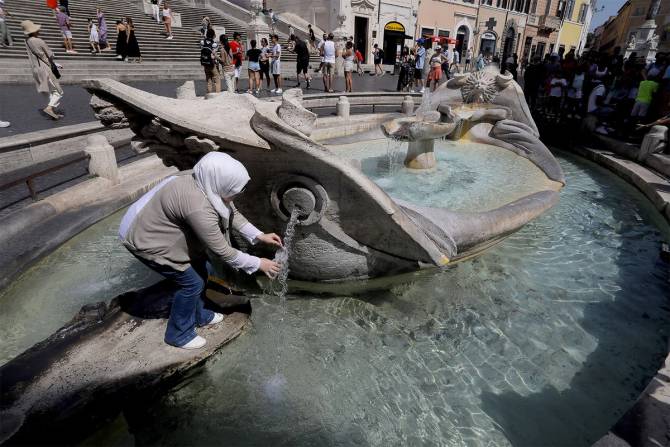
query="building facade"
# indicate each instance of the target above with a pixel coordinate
(448, 18)
(388, 23)
(575, 22)
(502, 28)
(618, 31)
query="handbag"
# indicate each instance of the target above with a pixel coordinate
(54, 69)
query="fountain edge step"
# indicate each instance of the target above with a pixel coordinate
(655, 187)
(36, 230)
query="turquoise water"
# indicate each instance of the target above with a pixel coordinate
(546, 339)
(468, 176)
(91, 267)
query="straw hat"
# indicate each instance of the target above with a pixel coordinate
(29, 27)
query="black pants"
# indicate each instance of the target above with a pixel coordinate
(265, 70)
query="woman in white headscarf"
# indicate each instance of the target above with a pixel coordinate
(171, 226)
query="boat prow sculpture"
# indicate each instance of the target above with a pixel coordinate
(349, 228)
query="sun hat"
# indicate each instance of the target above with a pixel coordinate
(29, 27)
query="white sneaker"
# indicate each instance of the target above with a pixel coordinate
(273, 90)
(169, 38)
(218, 318)
(4, 123)
(279, 91)
(423, 89)
(197, 343)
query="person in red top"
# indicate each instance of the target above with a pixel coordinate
(359, 58)
(236, 50)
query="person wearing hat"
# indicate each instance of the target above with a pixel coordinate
(40, 57)
(5, 33)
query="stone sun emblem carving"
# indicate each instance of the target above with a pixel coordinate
(480, 86)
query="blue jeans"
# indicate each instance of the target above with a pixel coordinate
(187, 306)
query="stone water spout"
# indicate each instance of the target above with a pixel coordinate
(349, 228)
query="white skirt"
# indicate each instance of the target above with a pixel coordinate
(275, 67)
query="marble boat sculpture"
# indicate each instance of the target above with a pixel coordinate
(349, 227)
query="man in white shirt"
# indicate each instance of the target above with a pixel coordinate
(328, 53)
(418, 68)
(449, 56)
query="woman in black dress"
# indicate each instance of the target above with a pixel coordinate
(121, 40)
(133, 48)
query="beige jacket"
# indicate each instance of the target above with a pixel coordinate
(38, 55)
(178, 224)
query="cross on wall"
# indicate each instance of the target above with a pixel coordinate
(491, 23)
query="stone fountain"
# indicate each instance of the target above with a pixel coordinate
(350, 228)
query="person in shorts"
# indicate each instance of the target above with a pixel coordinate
(319, 47)
(275, 64)
(254, 56)
(435, 74)
(349, 56)
(420, 59)
(378, 56)
(302, 59)
(328, 51)
(66, 29)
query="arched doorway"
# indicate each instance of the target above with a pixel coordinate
(462, 40)
(488, 43)
(394, 37)
(509, 45)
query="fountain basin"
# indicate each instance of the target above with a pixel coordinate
(355, 230)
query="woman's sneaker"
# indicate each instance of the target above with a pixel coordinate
(197, 343)
(279, 91)
(216, 319)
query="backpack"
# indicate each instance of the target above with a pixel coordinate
(207, 53)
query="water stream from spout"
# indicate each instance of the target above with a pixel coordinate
(275, 384)
(279, 284)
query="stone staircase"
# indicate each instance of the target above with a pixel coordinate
(162, 59)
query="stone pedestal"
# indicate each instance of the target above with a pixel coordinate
(103, 159)
(421, 155)
(655, 142)
(343, 107)
(186, 90)
(258, 28)
(407, 106)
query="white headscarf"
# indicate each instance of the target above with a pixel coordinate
(219, 175)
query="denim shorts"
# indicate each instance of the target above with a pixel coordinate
(254, 66)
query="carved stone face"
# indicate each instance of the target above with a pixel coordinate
(479, 87)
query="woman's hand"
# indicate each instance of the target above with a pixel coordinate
(270, 239)
(270, 268)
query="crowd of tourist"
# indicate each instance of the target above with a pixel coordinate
(620, 92)
(425, 66)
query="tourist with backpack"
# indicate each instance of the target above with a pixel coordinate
(378, 56)
(210, 61)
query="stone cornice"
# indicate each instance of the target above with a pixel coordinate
(363, 4)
